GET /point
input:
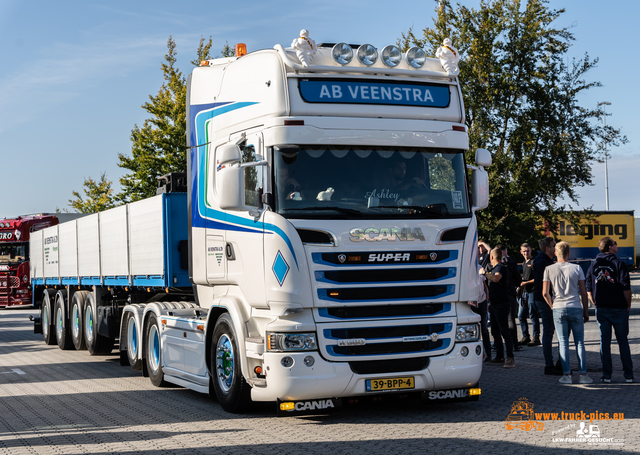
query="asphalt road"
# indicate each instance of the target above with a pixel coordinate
(67, 402)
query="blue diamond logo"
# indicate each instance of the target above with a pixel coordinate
(280, 268)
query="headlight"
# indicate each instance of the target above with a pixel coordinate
(291, 342)
(391, 56)
(467, 333)
(367, 54)
(342, 53)
(416, 57)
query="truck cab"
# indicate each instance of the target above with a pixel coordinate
(332, 221)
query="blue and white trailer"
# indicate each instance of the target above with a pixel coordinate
(325, 247)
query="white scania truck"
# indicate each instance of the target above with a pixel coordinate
(322, 244)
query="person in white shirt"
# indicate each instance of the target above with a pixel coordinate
(564, 291)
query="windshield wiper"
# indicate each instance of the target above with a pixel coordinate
(337, 209)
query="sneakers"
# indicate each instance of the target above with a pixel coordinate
(510, 363)
(518, 348)
(565, 379)
(585, 379)
(629, 380)
(535, 342)
(524, 340)
(497, 360)
(605, 380)
(553, 371)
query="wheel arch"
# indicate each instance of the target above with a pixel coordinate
(231, 307)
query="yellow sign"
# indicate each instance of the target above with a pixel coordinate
(620, 227)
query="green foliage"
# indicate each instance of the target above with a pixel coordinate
(441, 174)
(159, 146)
(521, 103)
(98, 196)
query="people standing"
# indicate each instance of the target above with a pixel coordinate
(543, 260)
(514, 281)
(528, 309)
(499, 308)
(483, 254)
(609, 289)
(566, 280)
(482, 311)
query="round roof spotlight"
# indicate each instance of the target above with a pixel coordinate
(391, 56)
(367, 54)
(342, 53)
(416, 57)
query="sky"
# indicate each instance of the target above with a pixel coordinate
(74, 75)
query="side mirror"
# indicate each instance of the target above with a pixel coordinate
(230, 187)
(483, 158)
(228, 154)
(480, 187)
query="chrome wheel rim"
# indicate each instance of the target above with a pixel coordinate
(75, 321)
(132, 338)
(154, 348)
(88, 324)
(59, 327)
(224, 363)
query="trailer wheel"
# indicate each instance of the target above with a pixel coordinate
(133, 343)
(153, 357)
(76, 320)
(96, 344)
(63, 333)
(48, 330)
(232, 391)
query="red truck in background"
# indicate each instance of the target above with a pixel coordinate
(15, 282)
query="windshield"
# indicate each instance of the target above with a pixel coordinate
(13, 253)
(370, 182)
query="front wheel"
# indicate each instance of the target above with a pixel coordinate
(232, 391)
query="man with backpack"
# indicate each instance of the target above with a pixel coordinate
(609, 289)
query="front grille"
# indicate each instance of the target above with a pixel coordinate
(385, 311)
(389, 366)
(389, 348)
(385, 293)
(385, 332)
(375, 276)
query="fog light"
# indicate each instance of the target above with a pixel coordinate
(342, 53)
(416, 57)
(309, 361)
(464, 351)
(367, 54)
(287, 406)
(287, 362)
(391, 56)
(475, 391)
(478, 350)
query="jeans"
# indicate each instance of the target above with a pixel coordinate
(500, 329)
(481, 309)
(618, 318)
(547, 331)
(569, 320)
(513, 311)
(528, 310)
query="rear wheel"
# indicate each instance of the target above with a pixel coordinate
(48, 328)
(133, 343)
(153, 357)
(232, 391)
(76, 318)
(96, 344)
(63, 334)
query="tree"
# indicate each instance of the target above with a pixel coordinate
(99, 196)
(159, 146)
(521, 102)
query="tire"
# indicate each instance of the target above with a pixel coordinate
(133, 343)
(76, 318)
(96, 344)
(153, 352)
(46, 316)
(63, 334)
(232, 391)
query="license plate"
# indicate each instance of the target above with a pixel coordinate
(380, 385)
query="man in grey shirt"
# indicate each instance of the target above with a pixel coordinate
(566, 280)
